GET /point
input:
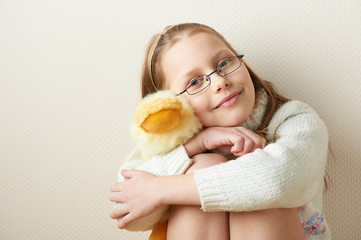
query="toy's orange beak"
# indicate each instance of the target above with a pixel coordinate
(161, 121)
(160, 115)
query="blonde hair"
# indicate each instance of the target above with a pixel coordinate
(153, 80)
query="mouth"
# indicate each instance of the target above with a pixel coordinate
(229, 100)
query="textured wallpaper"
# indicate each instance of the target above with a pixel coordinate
(69, 81)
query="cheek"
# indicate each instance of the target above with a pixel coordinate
(199, 106)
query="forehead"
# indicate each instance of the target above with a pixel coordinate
(195, 45)
(192, 53)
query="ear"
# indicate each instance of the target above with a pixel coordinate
(162, 121)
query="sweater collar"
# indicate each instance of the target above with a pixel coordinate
(255, 119)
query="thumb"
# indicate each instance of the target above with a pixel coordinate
(128, 173)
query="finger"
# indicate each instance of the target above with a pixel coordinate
(128, 173)
(116, 197)
(125, 221)
(118, 212)
(238, 154)
(248, 146)
(116, 187)
(238, 146)
(253, 136)
(257, 143)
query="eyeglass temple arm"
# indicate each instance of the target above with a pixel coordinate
(181, 92)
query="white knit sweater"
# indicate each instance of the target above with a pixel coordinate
(287, 173)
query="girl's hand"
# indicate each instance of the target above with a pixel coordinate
(235, 140)
(138, 196)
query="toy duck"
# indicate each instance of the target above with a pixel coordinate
(161, 123)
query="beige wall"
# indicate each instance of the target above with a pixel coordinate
(69, 75)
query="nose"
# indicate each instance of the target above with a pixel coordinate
(219, 83)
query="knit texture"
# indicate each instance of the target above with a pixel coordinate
(254, 120)
(285, 174)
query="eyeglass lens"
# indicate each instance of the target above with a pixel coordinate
(224, 68)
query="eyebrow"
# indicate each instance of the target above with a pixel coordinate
(215, 56)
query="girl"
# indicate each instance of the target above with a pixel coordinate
(273, 192)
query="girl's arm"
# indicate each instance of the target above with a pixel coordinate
(175, 162)
(287, 173)
(237, 140)
(144, 194)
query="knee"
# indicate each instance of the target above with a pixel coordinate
(206, 160)
(267, 224)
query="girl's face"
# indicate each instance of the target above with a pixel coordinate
(229, 100)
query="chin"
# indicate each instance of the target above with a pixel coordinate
(229, 122)
(236, 119)
(224, 119)
(235, 122)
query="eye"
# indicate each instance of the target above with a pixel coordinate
(195, 82)
(224, 64)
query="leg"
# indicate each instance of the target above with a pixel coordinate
(267, 224)
(190, 222)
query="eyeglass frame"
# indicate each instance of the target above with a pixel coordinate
(209, 79)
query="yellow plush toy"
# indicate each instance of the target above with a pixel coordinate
(161, 123)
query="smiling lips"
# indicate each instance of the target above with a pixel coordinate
(229, 100)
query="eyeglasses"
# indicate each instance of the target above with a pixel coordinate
(224, 68)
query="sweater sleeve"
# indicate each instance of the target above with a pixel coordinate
(287, 173)
(173, 163)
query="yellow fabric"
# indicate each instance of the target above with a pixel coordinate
(154, 106)
(161, 121)
(159, 231)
